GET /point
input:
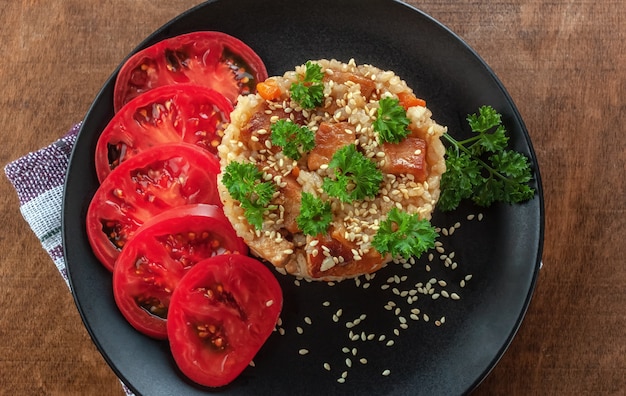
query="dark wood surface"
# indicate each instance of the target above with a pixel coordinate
(562, 61)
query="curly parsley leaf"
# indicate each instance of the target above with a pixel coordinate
(293, 138)
(309, 92)
(315, 215)
(356, 176)
(482, 169)
(391, 123)
(245, 183)
(404, 235)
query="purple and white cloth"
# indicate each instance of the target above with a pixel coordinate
(38, 179)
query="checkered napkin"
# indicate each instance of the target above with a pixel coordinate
(38, 178)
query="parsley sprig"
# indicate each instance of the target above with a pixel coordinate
(309, 92)
(481, 168)
(404, 235)
(315, 215)
(293, 138)
(391, 122)
(245, 183)
(356, 176)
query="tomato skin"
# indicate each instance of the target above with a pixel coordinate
(212, 59)
(221, 314)
(167, 114)
(162, 250)
(153, 181)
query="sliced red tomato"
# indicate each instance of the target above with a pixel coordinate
(221, 313)
(166, 114)
(212, 59)
(158, 179)
(162, 250)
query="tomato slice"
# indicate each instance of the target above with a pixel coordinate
(221, 313)
(162, 250)
(212, 59)
(166, 114)
(158, 179)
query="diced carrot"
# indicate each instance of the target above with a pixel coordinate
(269, 90)
(407, 100)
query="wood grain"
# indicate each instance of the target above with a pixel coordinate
(562, 61)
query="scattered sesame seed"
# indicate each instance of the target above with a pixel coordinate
(303, 351)
(327, 366)
(386, 372)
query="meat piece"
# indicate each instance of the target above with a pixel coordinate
(406, 157)
(329, 138)
(258, 128)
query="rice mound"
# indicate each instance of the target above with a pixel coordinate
(351, 94)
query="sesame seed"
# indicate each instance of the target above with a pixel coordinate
(386, 372)
(299, 330)
(348, 362)
(327, 366)
(455, 296)
(389, 343)
(307, 320)
(303, 351)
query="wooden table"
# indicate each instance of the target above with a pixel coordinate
(562, 61)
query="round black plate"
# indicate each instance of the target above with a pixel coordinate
(502, 252)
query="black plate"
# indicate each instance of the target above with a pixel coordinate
(502, 252)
